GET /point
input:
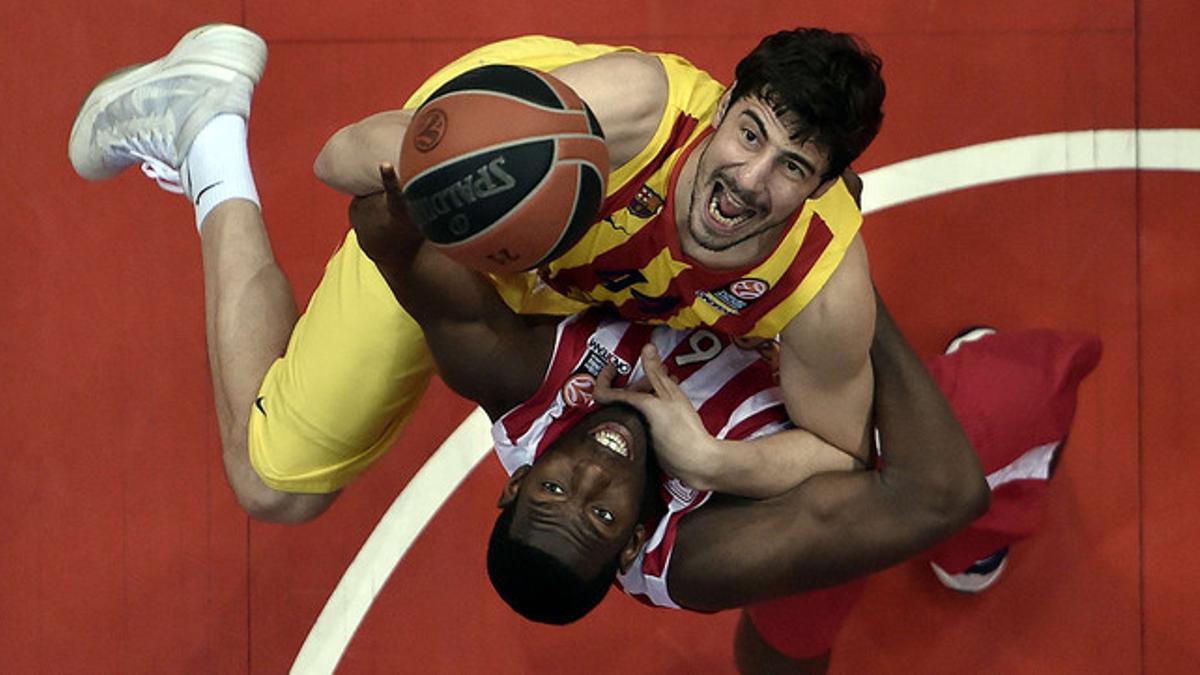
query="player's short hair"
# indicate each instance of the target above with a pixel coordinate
(830, 81)
(537, 585)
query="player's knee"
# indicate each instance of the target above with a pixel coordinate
(263, 501)
(283, 508)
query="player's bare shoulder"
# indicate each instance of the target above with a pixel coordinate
(627, 91)
(834, 331)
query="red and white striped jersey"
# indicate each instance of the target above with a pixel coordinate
(732, 384)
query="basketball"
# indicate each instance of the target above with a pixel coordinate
(503, 168)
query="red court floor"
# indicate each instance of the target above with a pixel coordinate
(125, 553)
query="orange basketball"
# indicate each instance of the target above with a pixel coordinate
(503, 168)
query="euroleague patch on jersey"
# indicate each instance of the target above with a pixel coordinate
(577, 391)
(735, 297)
(646, 203)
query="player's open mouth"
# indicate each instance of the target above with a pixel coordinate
(614, 437)
(725, 209)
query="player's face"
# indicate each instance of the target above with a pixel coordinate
(581, 500)
(751, 178)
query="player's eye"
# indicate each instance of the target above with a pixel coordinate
(793, 168)
(603, 514)
(749, 136)
(553, 488)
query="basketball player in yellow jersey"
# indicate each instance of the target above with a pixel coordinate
(755, 224)
(307, 401)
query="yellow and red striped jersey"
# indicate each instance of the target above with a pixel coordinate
(631, 258)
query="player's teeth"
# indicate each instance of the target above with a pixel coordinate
(612, 441)
(714, 210)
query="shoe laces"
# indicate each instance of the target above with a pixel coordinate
(156, 151)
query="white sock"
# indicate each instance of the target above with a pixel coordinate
(217, 167)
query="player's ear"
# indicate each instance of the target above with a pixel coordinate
(853, 185)
(723, 105)
(634, 546)
(513, 486)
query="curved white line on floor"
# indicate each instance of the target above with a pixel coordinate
(885, 187)
(412, 510)
(1027, 157)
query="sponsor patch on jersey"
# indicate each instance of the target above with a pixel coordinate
(736, 296)
(646, 203)
(577, 390)
(597, 355)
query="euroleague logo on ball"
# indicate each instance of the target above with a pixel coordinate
(577, 391)
(433, 127)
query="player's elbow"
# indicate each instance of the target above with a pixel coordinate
(330, 166)
(959, 498)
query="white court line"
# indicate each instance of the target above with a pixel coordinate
(1027, 157)
(414, 507)
(885, 187)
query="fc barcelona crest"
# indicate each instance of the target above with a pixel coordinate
(645, 203)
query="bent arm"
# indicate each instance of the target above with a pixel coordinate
(626, 91)
(824, 366)
(763, 467)
(837, 526)
(771, 465)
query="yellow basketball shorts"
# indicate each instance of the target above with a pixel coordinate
(356, 364)
(355, 367)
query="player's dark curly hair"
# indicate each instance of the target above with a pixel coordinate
(537, 585)
(830, 81)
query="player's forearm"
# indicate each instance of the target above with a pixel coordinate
(926, 456)
(349, 161)
(770, 465)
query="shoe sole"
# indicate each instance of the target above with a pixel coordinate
(966, 335)
(971, 586)
(211, 50)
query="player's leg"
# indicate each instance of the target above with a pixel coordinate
(794, 634)
(249, 315)
(753, 655)
(1015, 394)
(184, 117)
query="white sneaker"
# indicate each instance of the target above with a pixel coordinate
(966, 335)
(978, 577)
(151, 113)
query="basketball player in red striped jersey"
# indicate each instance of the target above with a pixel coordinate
(587, 505)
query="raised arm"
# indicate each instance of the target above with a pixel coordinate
(483, 350)
(627, 92)
(837, 526)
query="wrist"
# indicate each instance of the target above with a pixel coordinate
(715, 466)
